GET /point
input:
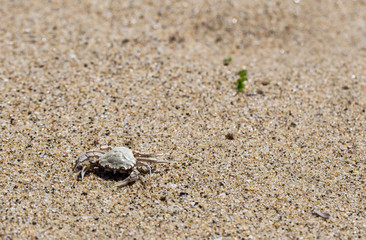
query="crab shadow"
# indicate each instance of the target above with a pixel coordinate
(109, 176)
(116, 177)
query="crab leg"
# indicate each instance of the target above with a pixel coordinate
(150, 160)
(85, 169)
(138, 154)
(132, 178)
(85, 156)
(106, 148)
(145, 165)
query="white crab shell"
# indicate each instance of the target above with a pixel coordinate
(119, 159)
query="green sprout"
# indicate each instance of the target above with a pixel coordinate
(240, 82)
(227, 60)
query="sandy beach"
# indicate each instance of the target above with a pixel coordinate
(269, 162)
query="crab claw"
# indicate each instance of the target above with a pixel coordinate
(134, 176)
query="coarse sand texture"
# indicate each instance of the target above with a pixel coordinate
(281, 155)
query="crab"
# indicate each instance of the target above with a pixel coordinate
(118, 159)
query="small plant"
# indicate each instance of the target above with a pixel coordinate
(227, 60)
(240, 82)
